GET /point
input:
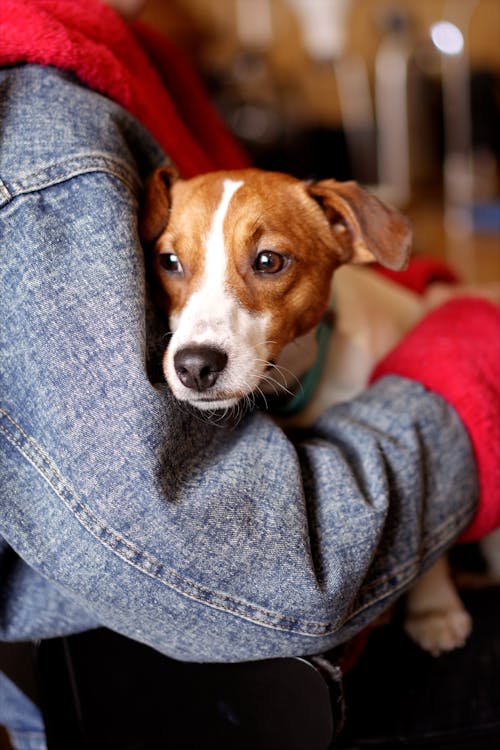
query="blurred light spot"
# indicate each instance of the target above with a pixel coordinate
(254, 123)
(447, 38)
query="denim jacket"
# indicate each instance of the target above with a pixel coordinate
(119, 508)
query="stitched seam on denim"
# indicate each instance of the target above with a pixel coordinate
(59, 171)
(216, 600)
(195, 591)
(151, 567)
(439, 538)
(445, 533)
(460, 520)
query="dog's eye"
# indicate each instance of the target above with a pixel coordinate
(170, 262)
(268, 261)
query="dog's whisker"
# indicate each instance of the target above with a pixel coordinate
(286, 374)
(277, 387)
(282, 371)
(281, 385)
(262, 395)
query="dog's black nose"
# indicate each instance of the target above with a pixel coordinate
(198, 367)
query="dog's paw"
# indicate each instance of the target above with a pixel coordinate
(437, 631)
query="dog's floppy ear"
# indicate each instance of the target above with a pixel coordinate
(155, 209)
(365, 229)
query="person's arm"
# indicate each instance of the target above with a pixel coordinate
(254, 547)
(206, 543)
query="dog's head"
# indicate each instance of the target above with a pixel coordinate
(245, 261)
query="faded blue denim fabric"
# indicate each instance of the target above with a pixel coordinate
(21, 716)
(120, 508)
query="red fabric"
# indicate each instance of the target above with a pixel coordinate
(193, 105)
(421, 271)
(455, 351)
(89, 39)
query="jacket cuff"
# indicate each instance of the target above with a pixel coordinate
(455, 352)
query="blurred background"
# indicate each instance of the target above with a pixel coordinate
(403, 96)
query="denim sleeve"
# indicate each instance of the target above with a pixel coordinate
(118, 507)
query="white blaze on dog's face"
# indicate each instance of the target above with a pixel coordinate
(214, 337)
(245, 259)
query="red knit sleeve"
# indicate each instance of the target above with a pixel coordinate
(455, 351)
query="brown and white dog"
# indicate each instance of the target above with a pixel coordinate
(246, 261)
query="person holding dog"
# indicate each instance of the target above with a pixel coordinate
(117, 507)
